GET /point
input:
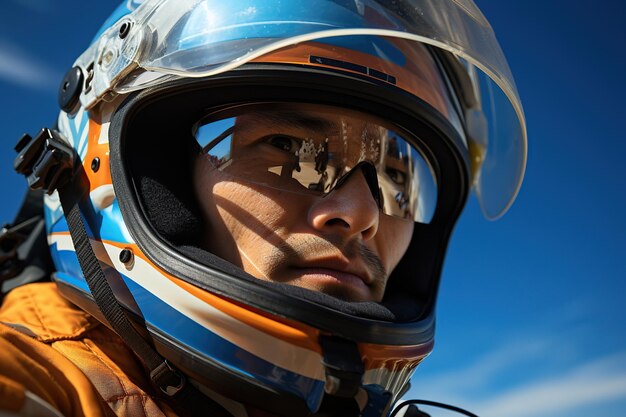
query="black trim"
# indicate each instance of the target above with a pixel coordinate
(258, 83)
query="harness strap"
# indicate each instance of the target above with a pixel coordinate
(24, 254)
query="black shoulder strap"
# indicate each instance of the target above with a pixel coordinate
(24, 254)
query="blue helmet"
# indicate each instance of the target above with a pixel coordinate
(159, 69)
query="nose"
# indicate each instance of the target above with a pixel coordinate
(350, 210)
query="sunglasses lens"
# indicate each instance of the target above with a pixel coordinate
(310, 148)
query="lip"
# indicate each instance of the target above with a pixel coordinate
(337, 269)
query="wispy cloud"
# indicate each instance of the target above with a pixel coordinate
(463, 386)
(589, 384)
(19, 67)
(593, 382)
(490, 365)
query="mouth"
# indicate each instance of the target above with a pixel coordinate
(330, 275)
(353, 274)
(334, 272)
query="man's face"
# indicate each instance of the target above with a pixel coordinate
(339, 243)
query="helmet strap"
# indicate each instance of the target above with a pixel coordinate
(48, 163)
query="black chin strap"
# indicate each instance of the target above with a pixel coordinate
(47, 162)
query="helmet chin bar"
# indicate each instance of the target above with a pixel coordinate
(406, 315)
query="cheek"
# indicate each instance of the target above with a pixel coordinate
(244, 209)
(392, 239)
(218, 238)
(246, 214)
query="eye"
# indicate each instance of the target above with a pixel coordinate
(284, 143)
(396, 176)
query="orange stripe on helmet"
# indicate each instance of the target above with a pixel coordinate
(419, 76)
(291, 332)
(101, 176)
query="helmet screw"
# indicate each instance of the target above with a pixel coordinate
(95, 164)
(124, 30)
(126, 256)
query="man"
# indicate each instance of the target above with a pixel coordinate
(286, 229)
(249, 204)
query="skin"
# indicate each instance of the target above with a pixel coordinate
(340, 244)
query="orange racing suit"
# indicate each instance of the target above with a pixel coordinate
(61, 361)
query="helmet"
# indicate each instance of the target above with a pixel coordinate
(134, 106)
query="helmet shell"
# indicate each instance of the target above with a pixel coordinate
(227, 330)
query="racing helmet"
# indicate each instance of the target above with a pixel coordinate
(423, 83)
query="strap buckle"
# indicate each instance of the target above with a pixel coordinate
(46, 160)
(343, 365)
(168, 379)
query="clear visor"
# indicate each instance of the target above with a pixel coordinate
(311, 149)
(200, 38)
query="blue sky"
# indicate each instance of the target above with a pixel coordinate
(532, 308)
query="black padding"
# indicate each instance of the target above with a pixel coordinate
(167, 211)
(161, 156)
